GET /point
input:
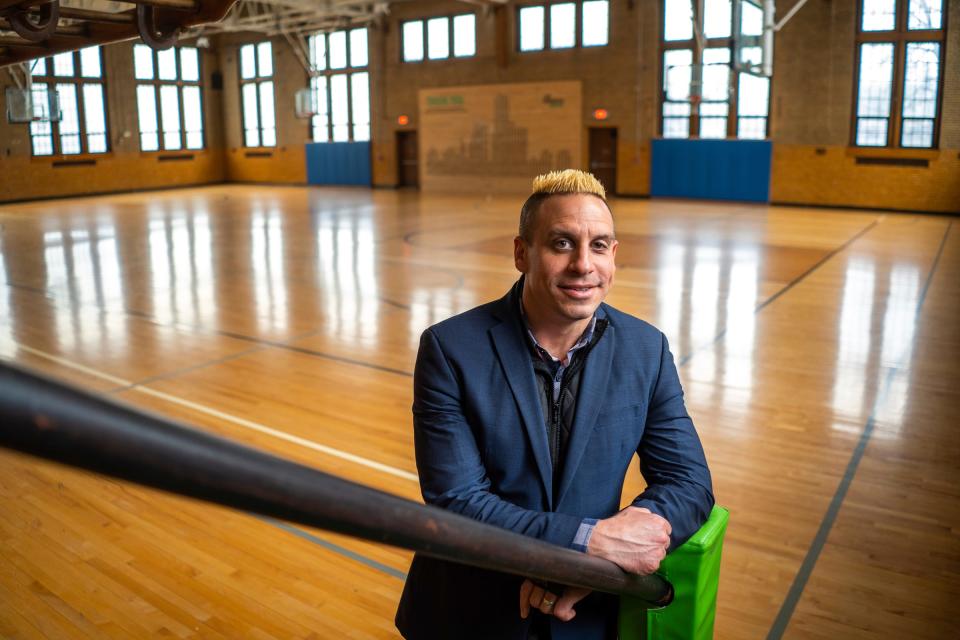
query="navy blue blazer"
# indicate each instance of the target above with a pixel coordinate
(481, 449)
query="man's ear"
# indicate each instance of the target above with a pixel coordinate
(520, 254)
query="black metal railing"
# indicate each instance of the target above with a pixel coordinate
(46, 418)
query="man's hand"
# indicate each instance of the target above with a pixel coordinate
(635, 539)
(535, 596)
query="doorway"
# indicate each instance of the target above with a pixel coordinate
(408, 171)
(603, 157)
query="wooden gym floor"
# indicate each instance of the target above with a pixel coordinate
(819, 350)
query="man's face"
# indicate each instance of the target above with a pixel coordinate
(569, 263)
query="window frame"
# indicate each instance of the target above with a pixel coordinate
(349, 72)
(697, 48)
(257, 80)
(451, 43)
(900, 36)
(180, 83)
(577, 27)
(51, 80)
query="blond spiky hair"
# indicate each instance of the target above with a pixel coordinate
(557, 183)
(568, 181)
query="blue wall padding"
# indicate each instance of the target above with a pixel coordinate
(711, 169)
(338, 163)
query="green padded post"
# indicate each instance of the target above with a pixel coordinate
(694, 570)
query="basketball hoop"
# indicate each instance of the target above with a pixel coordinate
(306, 103)
(30, 104)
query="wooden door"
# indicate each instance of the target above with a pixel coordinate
(603, 157)
(408, 172)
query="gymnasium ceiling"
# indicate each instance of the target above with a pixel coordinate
(86, 22)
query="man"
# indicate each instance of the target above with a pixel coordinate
(527, 412)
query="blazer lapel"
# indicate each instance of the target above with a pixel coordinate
(593, 388)
(514, 358)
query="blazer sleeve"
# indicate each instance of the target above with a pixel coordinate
(452, 475)
(672, 459)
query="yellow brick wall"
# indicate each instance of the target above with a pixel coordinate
(806, 174)
(125, 167)
(810, 109)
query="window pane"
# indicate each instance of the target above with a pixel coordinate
(251, 116)
(63, 64)
(531, 28)
(41, 138)
(925, 14)
(248, 62)
(438, 38)
(321, 120)
(167, 64)
(39, 67)
(193, 117)
(361, 133)
(879, 15)
(147, 112)
(676, 120)
(318, 51)
(338, 49)
(751, 56)
(265, 59)
(713, 119)
(41, 133)
(413, 41)
(876, 79)
(753, 95)
(752, 128)
(339, 107)
(717, 17)
(338, 100)
(90, 62)
(465, 35)
(142, 62)
(917, 133)
(189, 64)
(563, 19)
(170, 116)
(678, 20)
(921, 80)
(751, 19)
(40, 101)
(69, 119)
(716, 74)
(360, 95)
(677, 73)
(595, 23)
(268, 124)
(358, 48)
(94, 118)
(320, 129)
(871, 132)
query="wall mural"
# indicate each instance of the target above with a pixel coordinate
(496, 138)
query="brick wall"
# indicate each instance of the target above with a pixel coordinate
(812, 98)
(124, 167)
(811, 103)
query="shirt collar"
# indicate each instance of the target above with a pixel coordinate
(584, 340)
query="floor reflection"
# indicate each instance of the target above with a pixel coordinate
(855, 337)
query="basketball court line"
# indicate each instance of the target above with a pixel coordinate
(128, 385)
(331, 546)
(790, 285)
(793, 596)
(802, 577)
